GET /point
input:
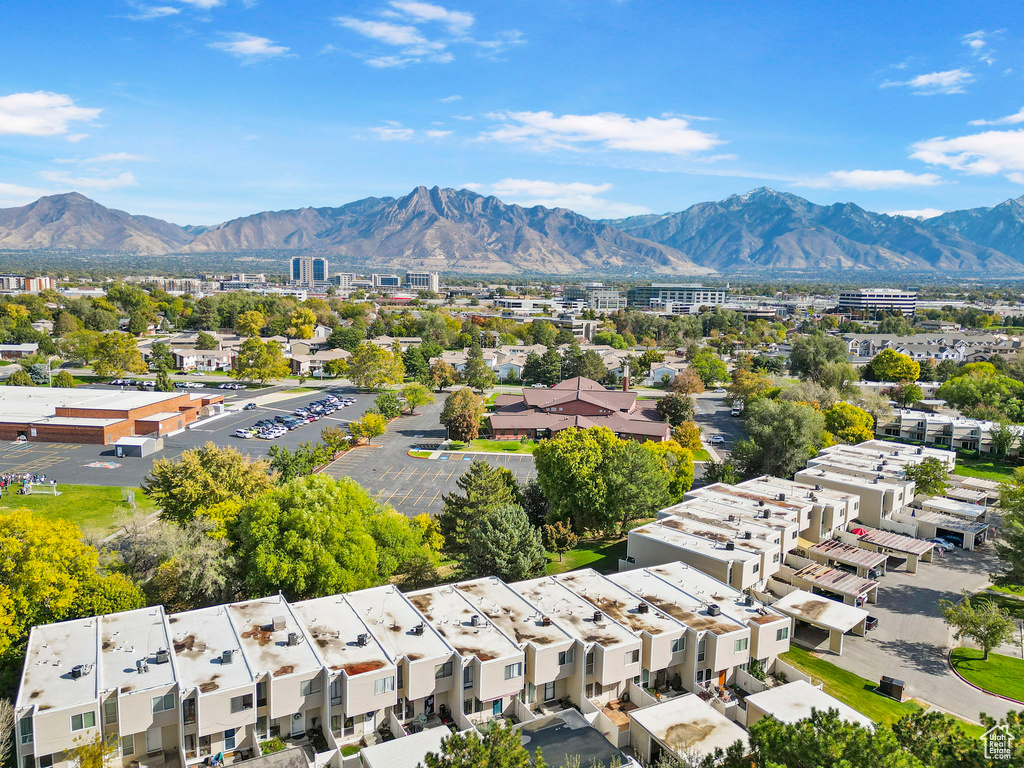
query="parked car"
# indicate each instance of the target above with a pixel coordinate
(871, 623)
(736, 411)
(717, 439)
(719, 391)
(245, 434)
(538, 386)
(942, 544)
(249, 407)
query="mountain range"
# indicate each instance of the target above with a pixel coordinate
(461, 231)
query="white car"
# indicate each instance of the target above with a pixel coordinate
(717, 439)
(538, 386)
(719, 391)
(245, 434)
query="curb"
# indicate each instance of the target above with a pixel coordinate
(949, 663)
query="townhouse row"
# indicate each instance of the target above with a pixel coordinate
(182, 689)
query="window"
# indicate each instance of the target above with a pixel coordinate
(590, 663)
(110, 711)
(384, 685)
(336, 723)
(190, 746)
(204, 746)
(633, 657)
(261, 694)
(309, 687)
(782, 634)
(241, 703)
(336, 690)
(741, 644)
(566, 657)
(127, 745)
(513, 670)
(549, 691)
(701, 648)
(400, 672)
(757, 567)
(46, 761)
(261, 728)
(82, 721)
(443, 670)
(467, 678)
(229, 738)
(188, 711)
(679, 644)
(163, 703)
(775, 557)
(25, 730)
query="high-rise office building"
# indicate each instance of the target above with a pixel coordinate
(309, 270)
(423, 280)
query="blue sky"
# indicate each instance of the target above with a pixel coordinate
(198, 111)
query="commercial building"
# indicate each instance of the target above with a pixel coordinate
(871, 300)
(23, 284)
(423, 281)
(596, 296)
(309, 271)
(97, 416)
(386, 282)
(685, 295)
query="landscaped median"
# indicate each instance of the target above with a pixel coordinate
(999, 674)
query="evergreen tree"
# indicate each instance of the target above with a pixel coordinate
(502, 543)
(484, 488)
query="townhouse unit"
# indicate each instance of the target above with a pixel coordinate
(944, 430)
(890, 454)
(881, 492)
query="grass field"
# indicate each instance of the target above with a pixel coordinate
(602, 555)
(1005, 600)
(1000, 674)
(701, 455)
(91, 507)
(1009, 589)
(986, 469)
(302, 390)
(502, 446)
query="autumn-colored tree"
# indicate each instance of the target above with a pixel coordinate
(462, 411)
(687, 435)
(688, 382)
(559, 538)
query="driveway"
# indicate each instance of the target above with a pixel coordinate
(911, 640)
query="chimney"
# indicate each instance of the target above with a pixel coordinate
(625, 378)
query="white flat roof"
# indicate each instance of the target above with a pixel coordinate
(795, 701)
(335, 627)
(452, 616)
(53, 650)
(688, 724)
(266, 650)
(664, 530)
(130, 637)
(954, 507)
(30, 403)
(199, 638)
(820, 611)
(511, 612)
(572, 613)
(617, 602)
(391, 619)
(407, 752)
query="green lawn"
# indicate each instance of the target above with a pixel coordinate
(1010, 589)
(986, 469)
(701, 454)
(92, 507)
(1005, 600)
(417, 453)
(301, 390)
(1000, 674)
(502, 446)
(602, 555)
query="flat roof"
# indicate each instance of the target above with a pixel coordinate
(720, 531)
(798, 489)
(617, 602)
(511, 612)
(835, 475)
(795, 701)
(162, 416)
(675, 535)
(954, 507)
(53, 650)
(199, 638)
(753, 502)
(334, 627)
(848, 554)
(452, 615)
(729, 517)
(689, 724)
(265, 649)
(68, 421)
(835, 580)
(952, 522)
(820, 611)
(565, 735)
(29, 403)
(391, 619)
(963, 493)
(572, 613)
(975, 482)
(896, 541)
(128, 638)
(407, 752)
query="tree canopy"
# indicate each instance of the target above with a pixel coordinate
(462, 412)
(783, 435)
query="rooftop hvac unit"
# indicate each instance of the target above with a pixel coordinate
(730, 545)
(142, 666)
(162, 656)
(819, 487)
(782, 497)
(714, 610)
(293, 638)
(474, 620)
(643, 608)
(545, 621)
(78, 671)
(277, 623)
(760, 503)
(748, 535)
(418, 629)
(363, 639)
(732, 518)
(227, 657)
(748, 601)
(598, 617)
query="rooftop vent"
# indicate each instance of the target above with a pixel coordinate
(227, 657)
(474, 620)
(142, 666)
(782, 497)
(293, 638)
(598, 617)
(748, 535)
(819, 487)
(545, 621)
(363, 639)
(278, 623)
(730, 545)
(78, 671)
(162, 656)
(418, 629)
(732, 518)
(643, 608)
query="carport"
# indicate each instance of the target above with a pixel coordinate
(821, 613)
(897, 545)
(826, 581)
(863, 562)
(968, 533)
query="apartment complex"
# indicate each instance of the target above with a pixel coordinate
(685, 295)
(944, 430)
(870, 300)
(308, 271)
(176, 690)
(23, 284)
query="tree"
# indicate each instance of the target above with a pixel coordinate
(303, 460)
(890, 365)
(307, 538)
(929, 476)
(117, 353)
(979, 383)
(484, 488)
(405, 547)
(371, 367)
(160, 356)
(748, 386)
(535, 503)
(348, 337)
(532, 372)
(687, 435)
(370, 426)
(543, 332)
(64, 380)
(502, 543)
(416, 365)
(97, 751)
(783, 436)
(1003, 437)
(720, 472)
(810, 355)
(206, 341)
(301, 323)
(20, 378)
(979, 620)
(260, 361)
(559, 538)
(202, 478)
(677, 462)
(675, 408)
(443, 375)
(163, 382)
(478, 374)
(500, 747)
(79, 345)
(551, 367)
(6, 730)
(416, 395)
(388, 404)
(848, 423)
(637, 482)
(906, 394)
(687, 382)
(709, 366)
(462, 412)
(250, 323)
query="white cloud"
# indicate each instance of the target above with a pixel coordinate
(126, 179)
(919, 213)
(456, 21)
(948, 81)
(450, 99)
(393, 133)
(15, 194)
(113, 157)
(581, 197)
(147, 12)
(42, 114)
(250, 47)
(980, 154)
(385, 32)
(978, 43)
(873, 180)
(605, 130)
(1016, 117)
(438, 134)
(385, 62)
(204, 4)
